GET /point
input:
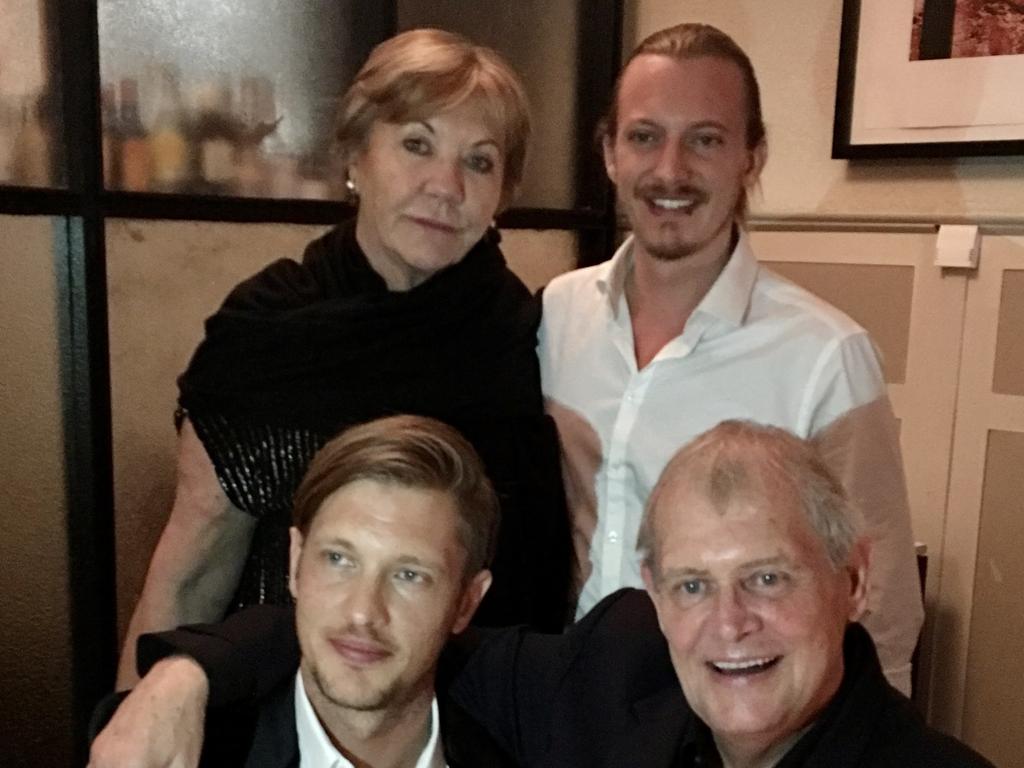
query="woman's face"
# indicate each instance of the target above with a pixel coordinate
(428, 189)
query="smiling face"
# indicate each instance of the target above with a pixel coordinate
(753, 611)
(379, 585)
(428, 190)
(679, 157)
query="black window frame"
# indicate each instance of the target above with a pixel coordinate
(85, 205)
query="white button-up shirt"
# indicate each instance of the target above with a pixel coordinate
(756, 347)
(317, 751)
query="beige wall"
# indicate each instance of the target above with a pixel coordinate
(997, 620)
(794, 45)
(982, 621)
(35, 650)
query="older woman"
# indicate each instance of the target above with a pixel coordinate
(409, 308)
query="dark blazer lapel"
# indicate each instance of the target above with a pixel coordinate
(275, 743)
(660, 721)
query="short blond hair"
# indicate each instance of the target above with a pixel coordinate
(412, 452)
(420, 73)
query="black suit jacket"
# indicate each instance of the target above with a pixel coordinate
(265, 736)
(602, 695)
(605, 694)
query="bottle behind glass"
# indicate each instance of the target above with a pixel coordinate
(111, 137)
(258, 122)
(168, 145)
(216, 135)
(135, 156)
(282, 165)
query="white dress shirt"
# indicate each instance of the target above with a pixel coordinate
(756, 347)
(317, 751)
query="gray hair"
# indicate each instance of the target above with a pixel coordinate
(742, 458)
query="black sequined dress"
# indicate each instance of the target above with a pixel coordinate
(300, 351)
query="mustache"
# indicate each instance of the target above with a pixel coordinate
(658, 189)
(366, 634)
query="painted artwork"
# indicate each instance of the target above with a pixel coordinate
(955, 29)
(955, 92)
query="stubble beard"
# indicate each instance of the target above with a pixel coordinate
(368, 700)
(670, 253)
(676, 246)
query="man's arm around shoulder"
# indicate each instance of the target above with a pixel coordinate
(160, 723)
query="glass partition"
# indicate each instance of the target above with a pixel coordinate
(235, 97)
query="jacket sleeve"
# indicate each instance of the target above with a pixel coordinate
(244, 657)
(507, 687)
(524, 687)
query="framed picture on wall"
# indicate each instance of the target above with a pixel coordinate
(930, 78)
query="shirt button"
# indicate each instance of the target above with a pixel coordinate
(613, 536)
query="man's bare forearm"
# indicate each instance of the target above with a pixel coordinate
(160, 723)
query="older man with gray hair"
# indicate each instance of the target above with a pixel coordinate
(758, 573)
(745, 651)
(752, 558)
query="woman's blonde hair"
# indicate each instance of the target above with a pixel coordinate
(420, 73)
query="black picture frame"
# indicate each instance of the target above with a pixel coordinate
(844, 143)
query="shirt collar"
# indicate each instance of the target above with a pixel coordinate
(611, 274)
(728, 299)
(317, 751)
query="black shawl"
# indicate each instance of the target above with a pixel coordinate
(300, 351)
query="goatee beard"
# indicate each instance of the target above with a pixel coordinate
(671, 253)
(678, 251)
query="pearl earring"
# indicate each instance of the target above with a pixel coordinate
(351, 187)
